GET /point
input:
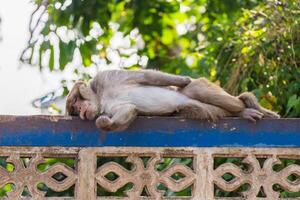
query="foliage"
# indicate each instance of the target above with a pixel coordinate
(263, 56)
(241, 44)
(174, 32)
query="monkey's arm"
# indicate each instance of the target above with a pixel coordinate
(145, 77)
(123, 115)
(157, 78)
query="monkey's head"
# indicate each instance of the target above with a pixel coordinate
(82, 101)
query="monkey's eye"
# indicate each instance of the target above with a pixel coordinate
(74, 100)
(73, 110)
(80, 96)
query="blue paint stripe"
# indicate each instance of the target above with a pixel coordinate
(153, 132)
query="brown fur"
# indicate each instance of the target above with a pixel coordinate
(251, 102)
(116, 97)
(207, 92)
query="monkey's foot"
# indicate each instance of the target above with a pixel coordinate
(251, 114)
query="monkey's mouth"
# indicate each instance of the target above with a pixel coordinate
(87, 115)
(83, 114)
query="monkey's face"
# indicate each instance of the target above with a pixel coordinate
(84, 108)
(77, 104)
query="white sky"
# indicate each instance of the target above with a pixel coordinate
(19, 84)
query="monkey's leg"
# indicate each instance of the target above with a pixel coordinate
(157, 78)
(207, 92)
(123, 115)
(203, 90)
(196, 110)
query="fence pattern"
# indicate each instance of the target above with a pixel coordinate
(97, 169)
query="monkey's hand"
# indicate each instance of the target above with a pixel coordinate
(157, 78)
(269, 114)
(104, 122)
(251, 114)
(183, 81)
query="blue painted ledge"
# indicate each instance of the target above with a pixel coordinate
(149, 132)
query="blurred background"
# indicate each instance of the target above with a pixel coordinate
(242, 45)
(20, 83)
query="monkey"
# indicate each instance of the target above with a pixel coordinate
(115, 97)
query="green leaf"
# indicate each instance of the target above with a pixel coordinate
(51, 60)
(44, 46)
(85, 27)
(85, 54)
(87, 50)
(66, 52)
(46, 29)
(292, 102)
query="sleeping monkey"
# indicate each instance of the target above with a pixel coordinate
(115, 97)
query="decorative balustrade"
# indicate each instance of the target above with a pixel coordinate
(156, 158)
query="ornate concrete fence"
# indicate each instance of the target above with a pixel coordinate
(157, 158)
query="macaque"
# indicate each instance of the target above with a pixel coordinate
(115, 97)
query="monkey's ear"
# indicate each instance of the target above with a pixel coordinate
(74, 91)
(86, 92)
(73, 94)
